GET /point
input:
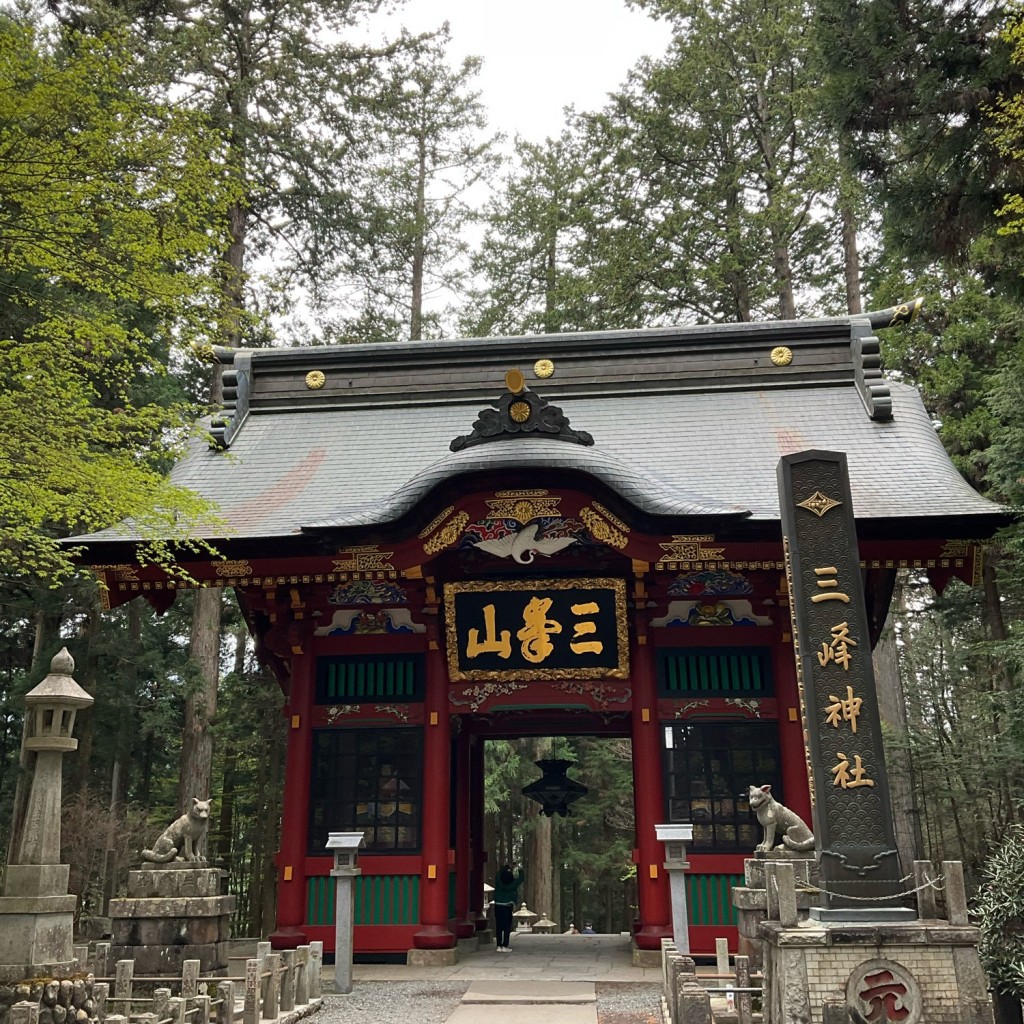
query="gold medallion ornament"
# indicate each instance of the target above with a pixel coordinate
(519, 411)
(515, 381)
(315, 379)
(781, 355)
(543, 368)
(819, 503)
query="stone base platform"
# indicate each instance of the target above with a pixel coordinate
(646, 957)
(432, 957)
(172, 913)
(36, 924)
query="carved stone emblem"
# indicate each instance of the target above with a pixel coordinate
(881, 990)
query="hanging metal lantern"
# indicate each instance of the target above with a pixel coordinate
(554, 791)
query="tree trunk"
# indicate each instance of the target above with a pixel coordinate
(892, 709)
(851, 259)
(201, 699)
(539, 894)
(88, 679)
(419, 245)
(270, 827)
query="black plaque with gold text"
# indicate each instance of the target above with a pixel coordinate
(852, 814)
(537, 629)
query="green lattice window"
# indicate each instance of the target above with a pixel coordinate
(352, 679)
(714, 672)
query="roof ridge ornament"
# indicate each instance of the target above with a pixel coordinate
(520, 412)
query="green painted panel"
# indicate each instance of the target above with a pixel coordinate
(709, 899)
(357, 678)
(377, 899)
(713, 672)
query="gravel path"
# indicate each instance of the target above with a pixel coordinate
(394, 1002)
(632, 1003)
(433, 1002)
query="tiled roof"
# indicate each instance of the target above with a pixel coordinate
(690, 424)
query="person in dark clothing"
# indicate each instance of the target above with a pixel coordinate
(506, 893)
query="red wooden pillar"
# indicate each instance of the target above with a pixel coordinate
(291, 858)
(465, 924)
(433, 932)
(477, 911)
(652, 883)
(792, 752)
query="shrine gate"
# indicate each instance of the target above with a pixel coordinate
(439, 543)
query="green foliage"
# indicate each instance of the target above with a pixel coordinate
(1000, 906)
(109, 204)
(910, 84)
(429, 127)
(528, 266)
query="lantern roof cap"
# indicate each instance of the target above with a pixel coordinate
(58, 687)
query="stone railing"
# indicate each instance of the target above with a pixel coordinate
(277, 987)
(724, 997)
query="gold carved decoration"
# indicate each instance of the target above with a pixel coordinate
(315, 380)
(515, 381)
(543, 368)
(475, 696)
(956, 549)
(614, 520)
(602, 694)
(519, 411)
(603, 530)
(819, 503)
(128, 573)
(691, 547)
(781, 355)
(523, 505)
(447, 535)
(363, 558)
(237, 568)
(436, 522)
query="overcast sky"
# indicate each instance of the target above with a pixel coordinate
(540, 55)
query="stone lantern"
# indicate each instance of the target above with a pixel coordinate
(675, 837)
(36, 912)
(345, 847)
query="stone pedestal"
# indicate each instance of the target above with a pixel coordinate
(173, 913)
(751, 899)
(879, 967)
(36, 922)
(819, 971)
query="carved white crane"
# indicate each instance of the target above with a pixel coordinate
(524, 546)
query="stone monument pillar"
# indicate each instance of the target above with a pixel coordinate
(675, 838)
(36, 911)
(861, 955)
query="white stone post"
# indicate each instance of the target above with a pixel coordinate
(345, 847)
(675, 838)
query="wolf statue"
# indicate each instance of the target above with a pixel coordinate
(777, 819)
(182, 839)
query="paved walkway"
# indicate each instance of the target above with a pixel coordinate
(546, 979)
